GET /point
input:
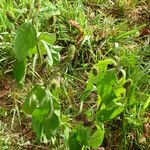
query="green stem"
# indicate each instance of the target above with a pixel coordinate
(37, 23)
(39, 53)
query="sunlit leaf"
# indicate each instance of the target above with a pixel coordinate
(98, 77)
(25, 39)
(97, 138)
(109, 113)
(32, 51)
(49, 38)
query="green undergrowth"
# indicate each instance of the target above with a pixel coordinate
(74, 74)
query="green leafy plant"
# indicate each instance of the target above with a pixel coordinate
(108, 81)
(39, 102)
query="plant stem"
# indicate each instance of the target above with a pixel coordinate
(37, 23)
(40, 56)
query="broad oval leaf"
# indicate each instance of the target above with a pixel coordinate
(97, 138)
(51, 123)
(99, 76)
(38, 117)
(34, 99)
(19, 71)
(25, 39)
(44, 124)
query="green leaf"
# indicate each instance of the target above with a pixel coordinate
(49, 54)
(43, 123)
(74, 144)
(51, 123)
(97, 138)
(78, 137)
(52, 53)
(108, 113)
(38, 117)
(131, 95)
(82, 135)
(66, 135)
(106, 87)
(33, 51)
(110, 90)
(56, 54)
(98, 77)
(19, 71)
(25, 39)
(39, 104)
(49, 38)
(37, 97)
